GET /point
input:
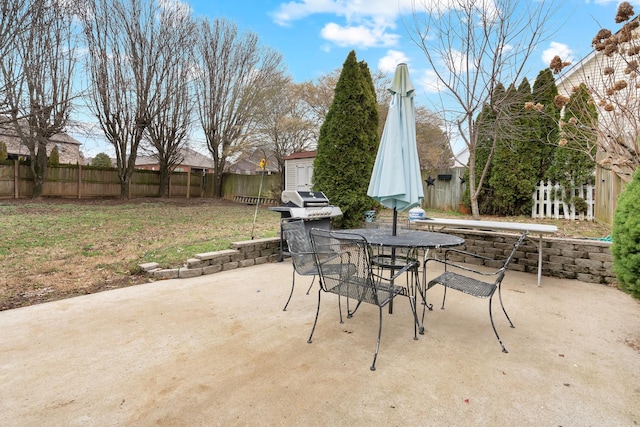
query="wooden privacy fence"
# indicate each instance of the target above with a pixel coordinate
(549, 202)
(74, 181)
(443, 188)
(78, 182)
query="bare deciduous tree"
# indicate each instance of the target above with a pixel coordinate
(234, 76)
(284, 125)
(610, 73)
(123, 43)
(471, 46)
(318, 95)
(13, 16)
(37, 68)
(168, 129)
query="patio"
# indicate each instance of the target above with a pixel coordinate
(218, 350)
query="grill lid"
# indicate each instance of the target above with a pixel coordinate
(304, 199)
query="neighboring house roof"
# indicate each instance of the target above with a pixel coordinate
(249, 163)
(302, 155)
(69, 147)
(190, 157)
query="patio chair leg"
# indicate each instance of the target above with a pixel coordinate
(416, 324)
(293, 284)
(504, 350)
(351, 313)
(312, 280)
(503, 309)
(413, 302)
(425, 305)
(375, 355)
(316, 319)
(443, 297)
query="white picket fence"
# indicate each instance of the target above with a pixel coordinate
(548, 202)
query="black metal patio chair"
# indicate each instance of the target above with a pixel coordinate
(301, 251)
(472, 283)
(344, 266)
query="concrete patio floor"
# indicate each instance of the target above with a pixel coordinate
(219, 350)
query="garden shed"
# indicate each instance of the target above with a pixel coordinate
(299, 171)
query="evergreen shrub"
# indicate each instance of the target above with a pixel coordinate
(626, 238)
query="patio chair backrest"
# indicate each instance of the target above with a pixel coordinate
(344, 266)
(299, 243)
(504, 267)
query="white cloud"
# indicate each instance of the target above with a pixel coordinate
(560, 49)
(360, 36)
(360, 23)
(429, 82)
(351, 10)
(389, 62)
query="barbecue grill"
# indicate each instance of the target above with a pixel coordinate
(311, 206)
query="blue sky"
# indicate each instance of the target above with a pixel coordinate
(315, 36)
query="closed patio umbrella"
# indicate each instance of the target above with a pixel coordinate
(395, 180)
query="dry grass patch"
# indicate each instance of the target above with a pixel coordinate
(56, 248)
(59, 248)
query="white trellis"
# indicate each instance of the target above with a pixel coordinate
(549, 202)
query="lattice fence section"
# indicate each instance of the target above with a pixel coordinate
(549, 202)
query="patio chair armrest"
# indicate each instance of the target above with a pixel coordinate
(466, 253)
(411, 265)
(448, 264)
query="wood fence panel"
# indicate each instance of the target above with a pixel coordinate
(249, 185)
(99, 182)
(443, 188)
(7, 180)
(62, 181)
(144, 183)
(608, 187)
(196, 185)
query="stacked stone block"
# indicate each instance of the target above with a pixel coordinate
(582, 259)
(241, 254)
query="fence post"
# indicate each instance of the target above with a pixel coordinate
(16, 180)
(188, 183)
(590, 202)
(535, 204)
(79, 181)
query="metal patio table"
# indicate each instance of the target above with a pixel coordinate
(411, 240)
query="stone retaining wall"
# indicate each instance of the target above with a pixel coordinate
(241, 254)
(582, 259)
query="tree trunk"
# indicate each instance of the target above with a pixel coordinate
(163, 190)
(39, 170)
(125, 185)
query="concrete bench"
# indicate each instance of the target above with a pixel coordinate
(533, 229)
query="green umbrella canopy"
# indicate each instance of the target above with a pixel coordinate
(395, 180)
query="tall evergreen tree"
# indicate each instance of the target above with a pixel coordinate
(54, 156)
(486, 127)
(514, 170)
(3, 151)
(545, 125)
(348, 144)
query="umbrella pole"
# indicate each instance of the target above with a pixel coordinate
(394, 232)
(394, 226)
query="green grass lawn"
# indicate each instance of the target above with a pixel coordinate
(55, 247)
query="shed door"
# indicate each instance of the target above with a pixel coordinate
(303, 177)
